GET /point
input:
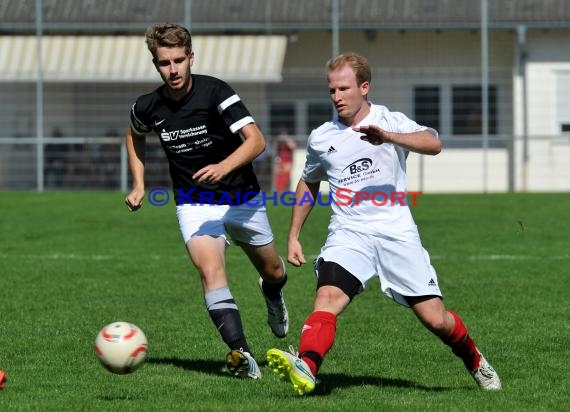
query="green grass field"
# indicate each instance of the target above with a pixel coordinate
(73, 262)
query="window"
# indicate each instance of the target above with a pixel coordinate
(299, 117)
(426, 106)
(467, 118)
(282, 117)
(318, 113)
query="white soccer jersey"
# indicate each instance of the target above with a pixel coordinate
(367, 182)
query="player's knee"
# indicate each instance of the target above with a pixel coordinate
(438, 327)
(212, 275)
(273, 270)
(435, 323)
(331, 299)
(329, 293)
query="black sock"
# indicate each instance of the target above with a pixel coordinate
(273, 290)
(314, 356)
(225, 315)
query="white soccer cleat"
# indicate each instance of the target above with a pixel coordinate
(242, 365)
(277, 315)
(485, 375)
(290, 367)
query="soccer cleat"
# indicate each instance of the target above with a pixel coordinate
(485, 375)
(242, 365)
(290, 366)
(277, 315)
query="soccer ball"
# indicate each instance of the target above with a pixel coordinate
(121, 347)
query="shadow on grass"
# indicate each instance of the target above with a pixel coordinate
(327, 382)
(196, 365)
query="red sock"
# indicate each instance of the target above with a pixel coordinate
(461, 343)
(317, 337)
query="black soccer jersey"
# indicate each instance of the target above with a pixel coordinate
(198, 130)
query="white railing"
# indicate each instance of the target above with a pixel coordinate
(100, 163)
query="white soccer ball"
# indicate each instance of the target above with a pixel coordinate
(121, 347)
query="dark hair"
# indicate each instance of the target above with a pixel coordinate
(358, 63)
(168, 35)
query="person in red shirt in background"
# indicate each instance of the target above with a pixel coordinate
(285, 148)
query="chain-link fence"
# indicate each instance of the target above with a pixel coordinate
(64, 99)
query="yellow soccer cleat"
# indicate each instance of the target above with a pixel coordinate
(290, 366)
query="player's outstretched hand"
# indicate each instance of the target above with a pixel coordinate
(134, 200)
(295, 254)
(372, 134)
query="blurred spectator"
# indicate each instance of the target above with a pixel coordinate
(285, 148)
(111, 161)
(78, 166)
(263, 165)
(55, 165)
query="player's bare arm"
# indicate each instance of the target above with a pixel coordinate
(423, 142)
(299, 215)
(135, 144)
(253, 145)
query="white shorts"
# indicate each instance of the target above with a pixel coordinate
(402, 264)
(245, 224)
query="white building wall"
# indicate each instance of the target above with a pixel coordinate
(458, 171)
(452, 171)
(548, 167)
(402, 60)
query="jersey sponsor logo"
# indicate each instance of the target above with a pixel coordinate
(186, 133)
(331, 150)
(169, 136)
(360, 165)
(159, 122)
(358, 171)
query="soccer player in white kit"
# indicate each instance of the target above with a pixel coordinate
(362, 154)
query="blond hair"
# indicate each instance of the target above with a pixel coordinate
(358, 63)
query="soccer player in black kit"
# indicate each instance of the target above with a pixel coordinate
(210, 140)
